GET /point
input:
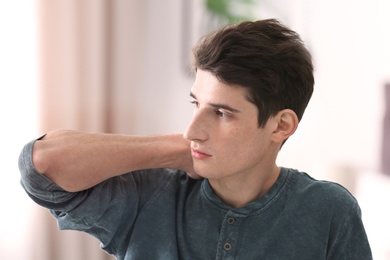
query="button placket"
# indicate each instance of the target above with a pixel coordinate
(228, 236)
(227, 246)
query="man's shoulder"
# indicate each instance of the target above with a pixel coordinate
(320, 191)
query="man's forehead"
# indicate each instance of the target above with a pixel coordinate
(208, 86)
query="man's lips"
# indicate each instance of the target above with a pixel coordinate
(199, 155)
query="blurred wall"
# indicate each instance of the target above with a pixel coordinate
(343, 124)
(112, 66)
(18, 116)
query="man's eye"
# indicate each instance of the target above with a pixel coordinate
(221, 114)
(196, 103)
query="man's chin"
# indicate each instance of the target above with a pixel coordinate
(193, 175)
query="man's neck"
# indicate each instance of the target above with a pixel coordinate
(239, 190)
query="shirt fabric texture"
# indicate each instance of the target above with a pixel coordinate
(164, 214)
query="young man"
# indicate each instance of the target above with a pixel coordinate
(217, 193)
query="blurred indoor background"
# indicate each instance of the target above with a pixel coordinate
(123, 66)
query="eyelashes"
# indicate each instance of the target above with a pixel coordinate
(221, 113)
(195, 103)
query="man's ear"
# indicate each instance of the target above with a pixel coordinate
(286, 123)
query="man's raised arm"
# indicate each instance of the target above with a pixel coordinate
(78, 160)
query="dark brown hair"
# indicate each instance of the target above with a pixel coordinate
(264, 56)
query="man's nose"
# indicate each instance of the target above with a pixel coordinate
(196, 130)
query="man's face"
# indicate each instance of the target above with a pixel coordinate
(225, 138)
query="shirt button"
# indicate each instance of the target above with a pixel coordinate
(230, 220)
(227, 246)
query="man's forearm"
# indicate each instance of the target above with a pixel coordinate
(78, 160)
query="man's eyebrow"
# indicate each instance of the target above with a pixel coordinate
(217, 105)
